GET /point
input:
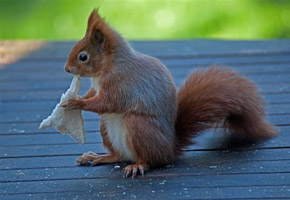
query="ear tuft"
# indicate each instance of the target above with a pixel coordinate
(93, 17)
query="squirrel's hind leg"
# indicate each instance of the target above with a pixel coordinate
(152, 146)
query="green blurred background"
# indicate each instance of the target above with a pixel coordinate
(147, 19)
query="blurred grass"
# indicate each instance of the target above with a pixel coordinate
(147, 19)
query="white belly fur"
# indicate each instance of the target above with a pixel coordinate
(117, 130)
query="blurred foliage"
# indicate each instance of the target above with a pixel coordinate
(147, 19)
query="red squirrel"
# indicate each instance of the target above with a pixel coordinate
(144, 119)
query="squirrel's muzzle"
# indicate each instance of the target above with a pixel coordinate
(69, 69)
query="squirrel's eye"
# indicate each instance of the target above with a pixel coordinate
(83, 57)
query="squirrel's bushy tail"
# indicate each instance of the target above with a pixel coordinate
(220, 96)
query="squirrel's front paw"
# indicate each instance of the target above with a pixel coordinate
(91, 158)
(86, 158)
(73, 104)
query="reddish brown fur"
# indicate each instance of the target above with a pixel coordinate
(220, 95)
(140, 89)
(89, 94)
(148, 142)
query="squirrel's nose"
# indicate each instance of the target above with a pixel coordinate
(67, 68)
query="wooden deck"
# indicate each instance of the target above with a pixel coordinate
(38, 164)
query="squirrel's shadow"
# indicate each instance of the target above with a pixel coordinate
(234, 142)
(215, 155)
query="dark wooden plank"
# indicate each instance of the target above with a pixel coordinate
(22, 128)
(208, 47)
(228, 60)
(40, 85)
(48, 150)
(244, 69)
(218, 193)
(183, 184)
(37, 116)
(191, 164)
(279, 120)
(180, 167)
(195, 158)
(45, 139)
(275, 88)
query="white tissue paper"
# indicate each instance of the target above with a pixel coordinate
(67, 121)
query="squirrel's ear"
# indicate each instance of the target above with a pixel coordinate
(97, 36)
(99, 33)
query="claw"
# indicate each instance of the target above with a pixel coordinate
(127, 174)
(141, 169)
(128, 171)
(133, 170)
